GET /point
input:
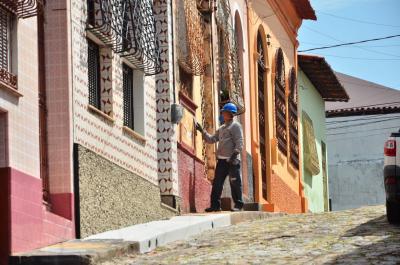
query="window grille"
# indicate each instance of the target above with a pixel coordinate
(128, 27)
(230, 58)
(261, 112)
(23, 8)
(94, 74)
(293, 120)
(6, 77)
(129, 119)
(4, 39)
(280, 102)
(194, 62)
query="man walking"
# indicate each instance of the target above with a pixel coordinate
(230, 138)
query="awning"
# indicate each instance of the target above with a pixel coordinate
(23, 8)
(311, 161)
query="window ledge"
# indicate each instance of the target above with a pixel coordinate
(100, 113)
(10, 89)
(134, 134)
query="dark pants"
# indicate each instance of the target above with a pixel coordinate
(221, 172)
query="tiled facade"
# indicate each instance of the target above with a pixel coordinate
(26, 222)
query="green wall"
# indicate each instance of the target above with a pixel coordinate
(311, 102)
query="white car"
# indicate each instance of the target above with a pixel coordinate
(391, 173)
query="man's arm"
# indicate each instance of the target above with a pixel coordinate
(211, 138)
(237, 137)
(208, 138)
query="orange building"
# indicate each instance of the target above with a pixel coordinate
(272, 38)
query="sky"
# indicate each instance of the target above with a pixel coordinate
(340, 21)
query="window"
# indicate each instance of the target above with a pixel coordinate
(129, 110)
(134, 106)
(261, 112)
(4, 39)
(7, 44)
(293, 120)
(94, 74)
(280, 102)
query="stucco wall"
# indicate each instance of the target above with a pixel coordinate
(111, 197)
(265, 18)
(355, 157)
(311, 102)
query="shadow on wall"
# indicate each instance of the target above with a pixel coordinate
(383, 252)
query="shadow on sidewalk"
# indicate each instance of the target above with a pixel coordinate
(385, 251)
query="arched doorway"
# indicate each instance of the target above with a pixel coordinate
(262, 112)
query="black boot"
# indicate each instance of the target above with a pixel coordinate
(211, 209)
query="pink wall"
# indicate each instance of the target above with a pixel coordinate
(30, 223)
(195, 189)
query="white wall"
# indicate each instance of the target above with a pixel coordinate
(355, 158)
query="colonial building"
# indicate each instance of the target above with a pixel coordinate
(244, 52)
(317, 84)
(274, 117)
(27, 219)
(357, 131)
(210, 59)
(109, 93)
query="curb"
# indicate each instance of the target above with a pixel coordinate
(140, 238)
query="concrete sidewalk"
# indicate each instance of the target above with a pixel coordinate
(140, 238)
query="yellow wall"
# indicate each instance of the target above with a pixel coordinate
(264, 15)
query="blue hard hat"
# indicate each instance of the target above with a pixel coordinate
(230, 107)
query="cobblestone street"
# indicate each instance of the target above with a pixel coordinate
(360, 236)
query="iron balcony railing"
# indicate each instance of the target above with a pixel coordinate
(8, 78)
(23, 8)
(128, 27)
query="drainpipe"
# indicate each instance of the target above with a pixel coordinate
(44, 174)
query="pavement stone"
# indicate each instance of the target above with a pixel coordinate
(360, 236)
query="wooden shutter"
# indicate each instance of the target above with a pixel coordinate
(280, 102)
(94, 74)
(262, 122)
(4, 39)
(293, 120)
(129, 119)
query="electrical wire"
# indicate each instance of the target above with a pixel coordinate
(359, 119)
(358, 20)
(360, 58)
(378, 129)
(333, 38)
(351, 43)
(363, 124)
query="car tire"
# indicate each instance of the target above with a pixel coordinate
(393, 212)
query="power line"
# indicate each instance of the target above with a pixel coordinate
(358, 20)
(359, 119)
(378, 129)
(361, 124)
(360, 58)
(356, 46)
(333, 38)
(351, 43)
